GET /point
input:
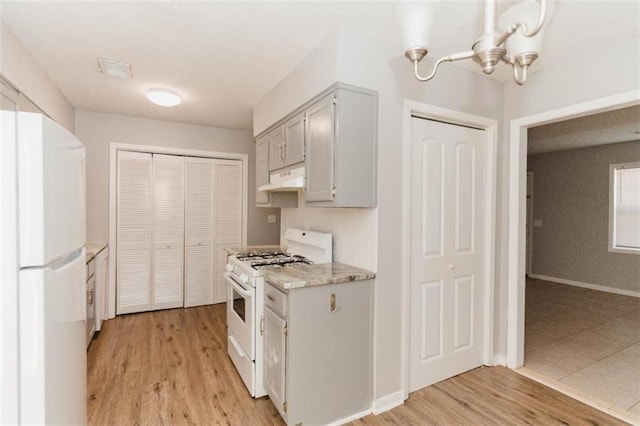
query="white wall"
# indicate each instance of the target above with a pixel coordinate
(98, 130)
(314, 74)
(376, 65)
(353, 241)
(21, 69)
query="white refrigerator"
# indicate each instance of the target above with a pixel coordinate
(43, 273)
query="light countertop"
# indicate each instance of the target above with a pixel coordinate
(93, 249)
(299, 276)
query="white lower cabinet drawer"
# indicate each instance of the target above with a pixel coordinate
(244, 365)
(275, 299)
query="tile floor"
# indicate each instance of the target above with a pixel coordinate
(586, 340)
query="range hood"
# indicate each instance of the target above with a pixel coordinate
(289, 180)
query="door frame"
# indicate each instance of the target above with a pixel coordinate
(491, 128)
(517, 206)
(114, 147)
(529, 221)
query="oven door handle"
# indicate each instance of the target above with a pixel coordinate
(237, 286)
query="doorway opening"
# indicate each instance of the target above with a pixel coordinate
(526, 294)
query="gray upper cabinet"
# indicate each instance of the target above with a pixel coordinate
(286, 143)
(293, 151)
(335, 135)
(342, 149)
(320, 143)
(263, 160)
(262, 168)
(276, 148)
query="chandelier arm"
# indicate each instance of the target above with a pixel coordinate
(519, 77)
(513, 28)
(451, 58)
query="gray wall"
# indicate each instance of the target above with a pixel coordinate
(571, 197)
(98, 130)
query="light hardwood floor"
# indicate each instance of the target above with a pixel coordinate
(171, 367)
(586, 340)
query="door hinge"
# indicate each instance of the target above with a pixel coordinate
(261, 326)
(284, 407)
(333, 192)
(285, 331)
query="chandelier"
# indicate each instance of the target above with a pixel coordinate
(517, 45)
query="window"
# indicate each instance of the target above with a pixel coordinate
(624, 209)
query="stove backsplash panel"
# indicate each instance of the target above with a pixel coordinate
(354, 232)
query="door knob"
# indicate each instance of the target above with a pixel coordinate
(452, 266)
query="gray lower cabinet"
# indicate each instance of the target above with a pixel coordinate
(318, 351)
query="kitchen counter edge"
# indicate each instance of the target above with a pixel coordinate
(93, 249)
(300, 276)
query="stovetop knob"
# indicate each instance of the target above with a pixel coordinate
(244, 278)
(229, 267)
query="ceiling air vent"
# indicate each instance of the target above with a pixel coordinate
(113, 68)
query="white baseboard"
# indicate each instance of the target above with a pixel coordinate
(500, 360)
(387, 402)
(586, 285)
(351, 418)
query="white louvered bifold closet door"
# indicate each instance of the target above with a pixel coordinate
(168, 234)
(199, 265)
(134, 229)
(227, 218)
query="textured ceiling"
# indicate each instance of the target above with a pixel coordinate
(620, 125)
(223, 57)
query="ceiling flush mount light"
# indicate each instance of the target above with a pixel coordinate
(164, 97)
(517, 45)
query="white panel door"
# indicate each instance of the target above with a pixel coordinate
(199, 255)
(448, 253)
(134, 232)
(227, 219)
(168, 234)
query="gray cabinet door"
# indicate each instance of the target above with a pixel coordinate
(275, 344)
(320, 150)
(262, 169)
(294, 140)
(276, 147)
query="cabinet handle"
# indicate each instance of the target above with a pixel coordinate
(270, 297)
(332, 302)
(280, 151)
(261, 326)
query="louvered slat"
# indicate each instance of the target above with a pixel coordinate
(199, 262)
(168, 235)
(228, 218)
(199, 276)
(133, 232)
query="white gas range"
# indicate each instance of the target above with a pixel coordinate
(245, 297)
